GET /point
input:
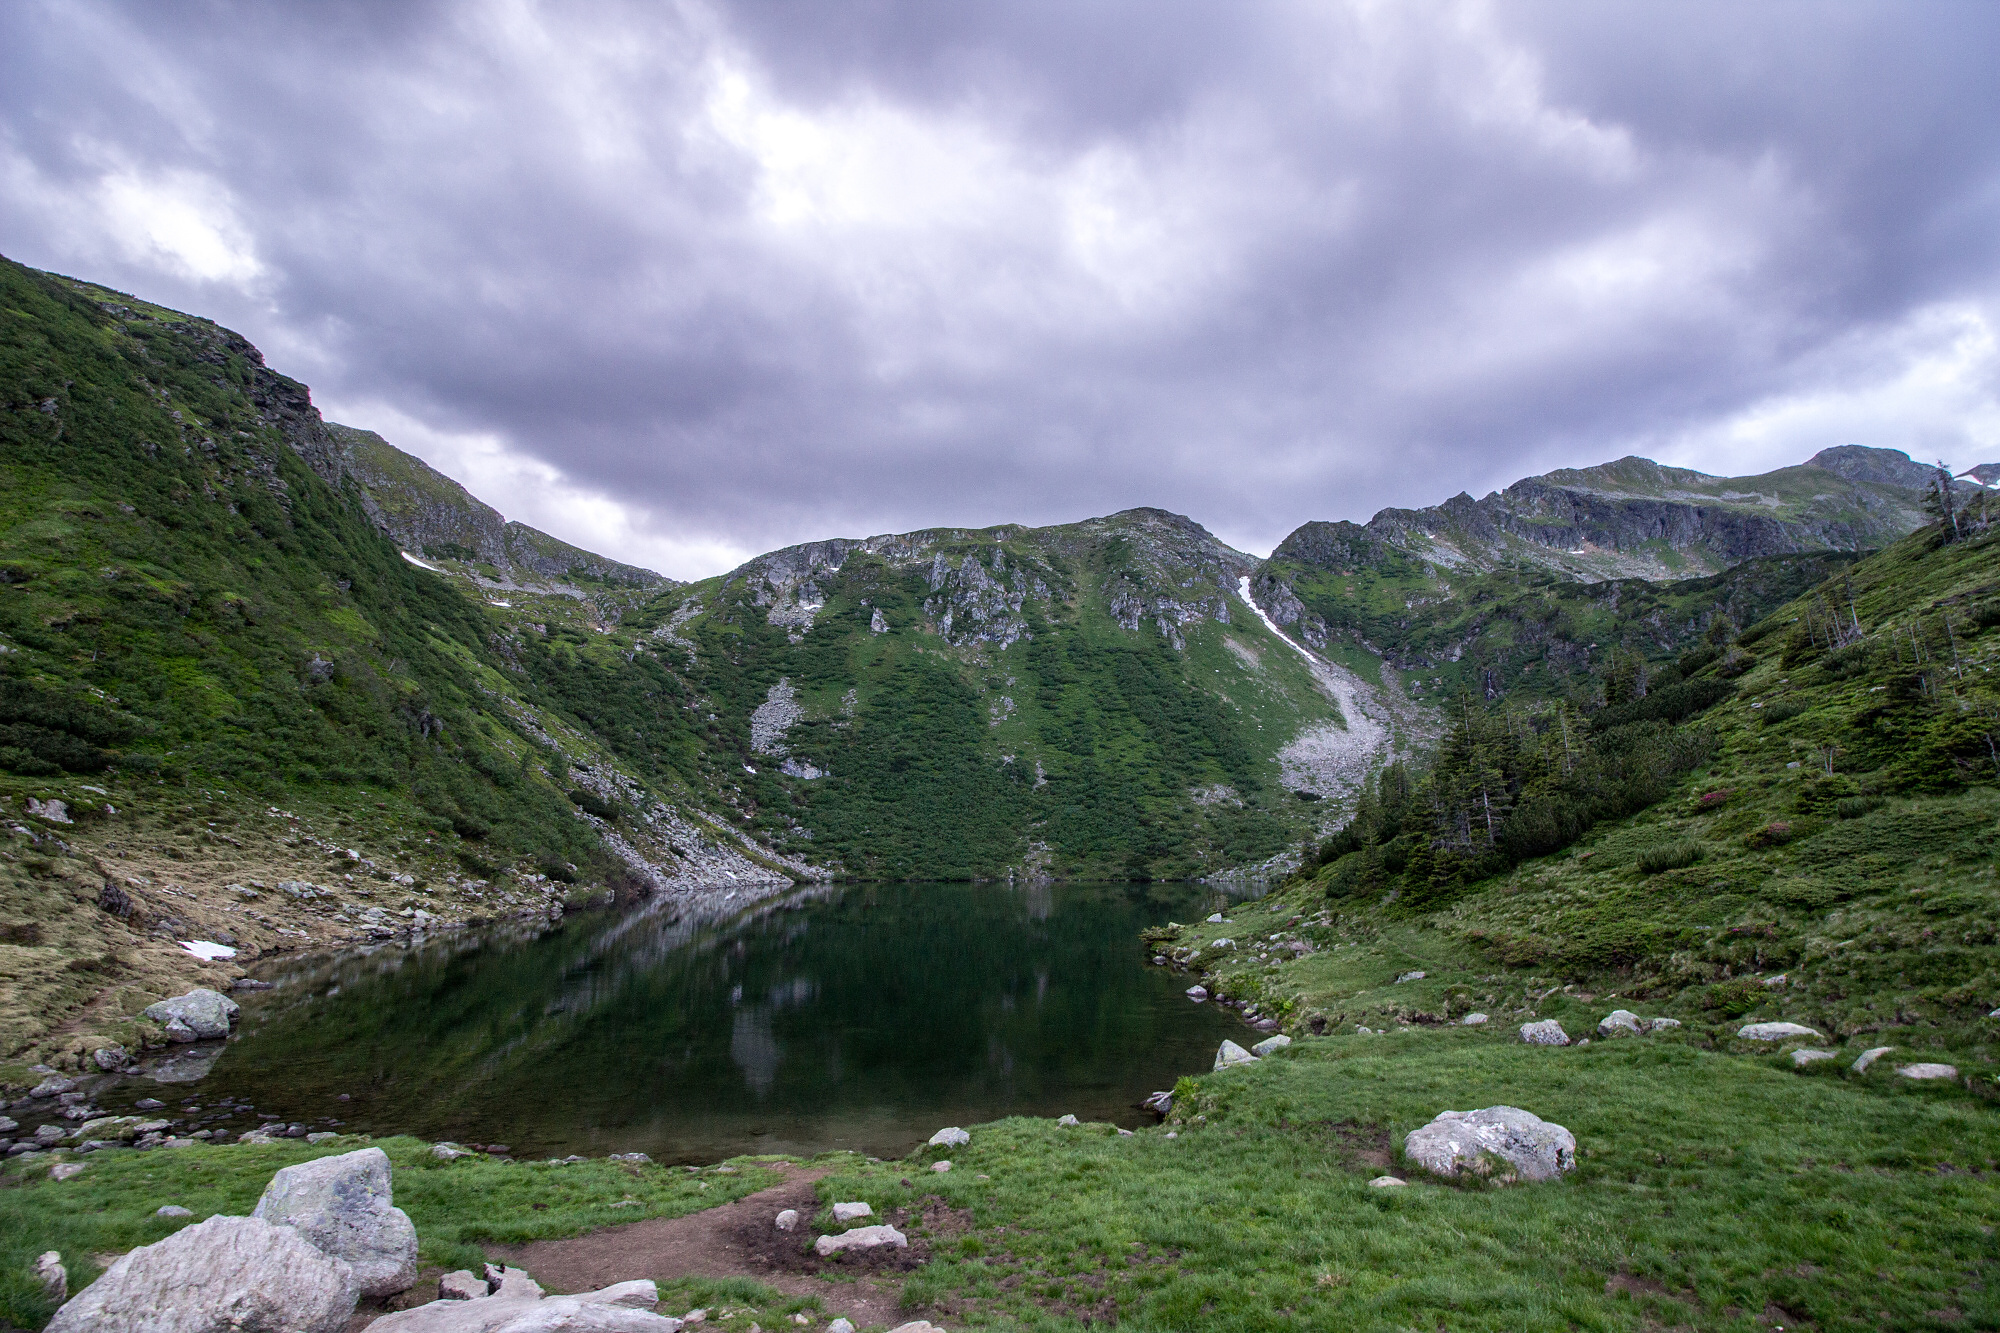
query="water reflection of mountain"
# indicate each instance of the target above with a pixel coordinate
(824, 1014)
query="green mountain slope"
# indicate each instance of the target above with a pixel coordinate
(1825, 854)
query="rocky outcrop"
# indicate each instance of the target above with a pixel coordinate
(199, 1015)
(225, 1275)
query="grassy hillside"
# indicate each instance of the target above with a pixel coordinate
(1814, 840)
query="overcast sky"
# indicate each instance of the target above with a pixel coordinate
(682, 283)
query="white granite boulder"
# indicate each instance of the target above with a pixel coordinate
(848, 1212)
(1230, 1054)
(1869, 1057)
(1925, 1071)
(1548, 1032)
(199, 1015)
(1620, 1023)
(860, 1238)
(343, 1205)
(225, 1275)
(1270, 1044)
(952, 1137)
(1775, 1031)
(1499, 1141)
(1805, 1055)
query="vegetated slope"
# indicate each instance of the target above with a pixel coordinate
(1798, 823)
(199, 624)
(1093, 699)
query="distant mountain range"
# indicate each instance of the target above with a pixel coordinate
(1120, 696)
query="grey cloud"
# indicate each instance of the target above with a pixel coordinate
(1351, 257)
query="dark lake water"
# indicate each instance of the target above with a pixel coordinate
(852, 1017)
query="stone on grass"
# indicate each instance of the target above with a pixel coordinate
(461, 1286)
(1806, 1055)
(225, 1275)
(52, 1086)
(1067, 1119)
(1410, 976)
(1270, 1044)
(1498, 1140)
(201, 1013)
(1386, 1183)
(1619, 1023)
(860, 1238)
(940, 1167)
(847, 1212)
(638, 1158)
(1869, 1057)
(1215, 919)
(1473, 1020)
(1548, 1032)
(1775, 1031)
(1921, 1071)
(917, 1326)
(172, 1210)
(952, 1137)
(787, 1220)
(1229, 1053)
(446, 1152)
(65, 1170)
(342, 1204)
(840, 1326)
(49, 1271)
(321, 1136)
(1662, 1024)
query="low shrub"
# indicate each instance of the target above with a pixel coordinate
(1675, 855)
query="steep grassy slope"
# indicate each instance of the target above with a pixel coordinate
(1828, 858)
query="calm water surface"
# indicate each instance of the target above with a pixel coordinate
(857, 1017)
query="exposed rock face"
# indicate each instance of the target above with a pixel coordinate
(342, 1205)
(202, 1014)
(225, 1275)
(1498, 1141)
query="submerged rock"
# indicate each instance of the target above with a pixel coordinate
(1497, 1139)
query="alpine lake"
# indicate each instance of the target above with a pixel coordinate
(860, 1017)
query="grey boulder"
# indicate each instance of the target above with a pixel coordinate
(1270, 1044)
(860, 1238)
(342, 1205)
(225, 1275)
(1620, 1023)
(200, 1014)
(1775, 1031)
(1548, 1032)
(1925, 1070)
(1230, 1054)
(1500, 1141)
(952, 1137)
(1869, 1057)
(1806, 1055)
(626, 1307)
(1472, 1020)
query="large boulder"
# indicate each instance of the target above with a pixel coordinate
(860, 1238)
(1548, 1032)
(1500, 1141)
(342, 1205)
(1229, 1054)
(225, 1275)
(1775, 1031)
(196, 1016)
(1619, 1023)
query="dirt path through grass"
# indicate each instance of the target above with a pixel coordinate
(734, 1240)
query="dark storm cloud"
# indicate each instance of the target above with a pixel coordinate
(686, 283)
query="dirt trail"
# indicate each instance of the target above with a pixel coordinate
(732, 1240)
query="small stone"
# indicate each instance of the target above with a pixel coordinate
(1410, 976)
(1619, 1023)
(1124, 1133)
(940, 1167)
(1270, 1044)
(48, 1135)
(1776, 983)
(65, 1170)
(860, 1238)
(1548, 1032)
(150, 1104)
(1472, 1020)
(448, 1152)
(1173, 1133)
(7, 1125)
(700, 1315)
(848, 1212)
(53, 1086)
(1774, 1031)
(1920, 1072)
(172, 1210)
(1067, 1120)
(49, 1271)
(1160, 1103)
(1215, 919)
(636, 1157)
(788, 1220)
(1197, 993)
(321, 1136)
(953, 1137)
(1662, 1024)
(461, 1285)
(109, 1057)
(1869, 1057)
(1386, 1183)
(1230, 1054)
(1803, 1057)
(840, 1326)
